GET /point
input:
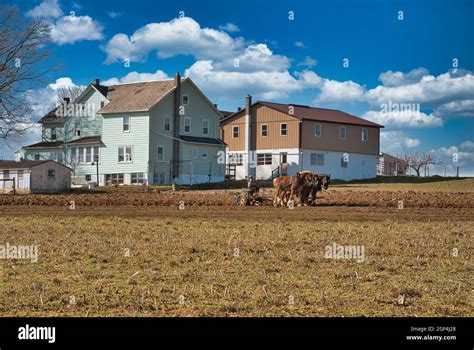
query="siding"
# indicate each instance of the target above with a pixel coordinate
(239, 143)
(113, 137)
(265, 115)
(46, 132)
(198, 109)
(41, 183)
(56, 154)
(329, 139)
(91, 125)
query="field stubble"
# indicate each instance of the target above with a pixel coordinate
(231, 261)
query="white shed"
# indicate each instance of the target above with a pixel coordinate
(34, 176)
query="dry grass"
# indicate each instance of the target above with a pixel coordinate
(191, 253)
(453, 185)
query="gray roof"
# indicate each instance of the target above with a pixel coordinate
(23, 164)
(136, 97)
(206, 140)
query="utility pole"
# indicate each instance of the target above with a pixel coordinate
(96, 162)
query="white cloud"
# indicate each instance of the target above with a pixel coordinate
(69, 29)
(299, 44)
(403, 119)
(334, 92)
(430, 91)
(64, 82)
(447, 155)
(47, 9)
(392, 79)
(180, 36)
(395, 142)
(42, 100)
(222, 85)
(462, 108)
(230, 28)
(308, 62)
(257, 57)
(113, 14)
(467, 145)
(133, 77)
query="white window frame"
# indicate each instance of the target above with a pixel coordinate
(264, 160)
(345, 132)
(281, 129)
(236, 159)
(208, 127)
(129, 123)
(318, 156)
(184, 125)
(125, 154)
(194, 152)
(77, 154)
(182, 100)
(162, 153)
(91, 154)
(366, 134)
(138, 176)
(261, 130)
(167, 118)
(315, 129)
(234, 127)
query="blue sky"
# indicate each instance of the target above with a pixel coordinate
(423, 57)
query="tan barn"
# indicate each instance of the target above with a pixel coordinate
(34, 176)
(269, 139)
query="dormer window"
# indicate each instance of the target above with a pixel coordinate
(185, 100)
(77, 128)
(53, 134)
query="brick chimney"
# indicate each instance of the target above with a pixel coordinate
(176, 126)
(249, 136)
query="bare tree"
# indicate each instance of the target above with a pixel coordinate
(71, 92)
(23, 65)
(417, 161)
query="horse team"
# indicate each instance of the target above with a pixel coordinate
(301, 188)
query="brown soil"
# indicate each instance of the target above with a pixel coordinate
(382, 199)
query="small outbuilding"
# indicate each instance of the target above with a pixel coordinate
(34, 176)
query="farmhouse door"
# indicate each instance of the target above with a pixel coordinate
(284, 164)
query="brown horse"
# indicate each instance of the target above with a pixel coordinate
(323, 182)
(293, 187)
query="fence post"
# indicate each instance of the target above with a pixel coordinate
(14, 187)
